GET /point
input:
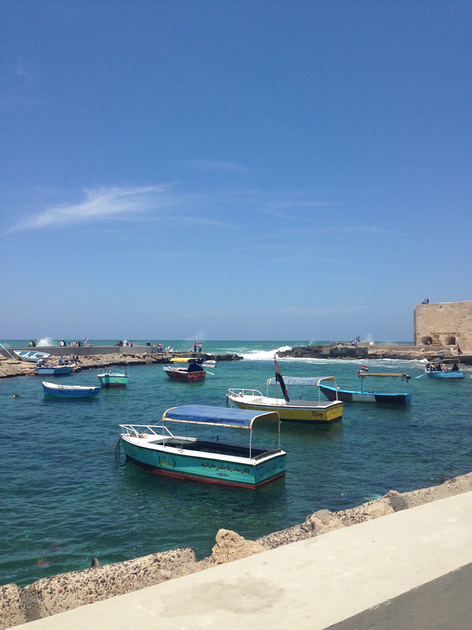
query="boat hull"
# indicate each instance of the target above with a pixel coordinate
(379, 398)
(182, 375)
(205, 467)
(457, 375)
(30, 356)
(70, 392)
(113, 380)
(55, 371)
(322, 413)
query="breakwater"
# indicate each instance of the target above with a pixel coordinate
(59, 593)
(91, 358)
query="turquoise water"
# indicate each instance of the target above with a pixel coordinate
(68, 494)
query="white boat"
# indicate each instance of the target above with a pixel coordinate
(209, 363)
(70, 391)
(204, 458)
(30, 355)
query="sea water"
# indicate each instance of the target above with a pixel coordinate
(69, 495)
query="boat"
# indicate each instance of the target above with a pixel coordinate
(70, 391)
(113, 377)
(209, 363)
(30, 355)
(55, 370)
(157, 449)
(439, 369)
(305, 411)
(191, 372)
(366, 393)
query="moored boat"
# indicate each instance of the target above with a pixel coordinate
(367, 393)
(191, 372)
(30, 355)
(158, 449)
(298, 410)
(209, 363)
(70, 391)
(55, 370)
(113, 377)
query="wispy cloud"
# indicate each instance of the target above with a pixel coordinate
(100, 204)
(215, 165)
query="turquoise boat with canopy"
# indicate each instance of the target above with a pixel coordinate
(158, 449)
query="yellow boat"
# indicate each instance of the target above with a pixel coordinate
(302, 411)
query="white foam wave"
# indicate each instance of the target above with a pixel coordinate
(45, 341)
(264, 355)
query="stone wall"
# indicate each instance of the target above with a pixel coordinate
(444, 324)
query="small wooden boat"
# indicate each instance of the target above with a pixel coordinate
(209, 363)
(444, 369)
(367, 393)
(55, 370)
(156, 448)
(113, 377)
(30, 355)
(190, 373)
(290, 410)
(70, 391)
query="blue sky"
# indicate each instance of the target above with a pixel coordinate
(233, 169)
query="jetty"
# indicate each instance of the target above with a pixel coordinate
(93, 357)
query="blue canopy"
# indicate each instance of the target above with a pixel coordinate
(219, 416)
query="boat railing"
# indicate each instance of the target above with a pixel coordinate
(244, 392)
(144, 430)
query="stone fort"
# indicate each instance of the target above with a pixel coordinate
(444, 324)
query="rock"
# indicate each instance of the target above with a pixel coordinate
(284, 537)
(59, 593)
(365, 512)
(231, 546)
(12, 608)
(322, 522)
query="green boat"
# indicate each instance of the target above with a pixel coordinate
(113, 377)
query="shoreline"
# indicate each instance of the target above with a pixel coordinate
(91, 357)
(10, 368)
(62, 592)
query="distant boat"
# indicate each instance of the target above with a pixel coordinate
(70, 391)
(30, 355)
(191, 372)
(439, 369)
(113, 377)
(55, 370)
(368, 393)
(209, 363)
(157, 449)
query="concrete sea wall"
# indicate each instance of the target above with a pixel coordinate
(56, 594)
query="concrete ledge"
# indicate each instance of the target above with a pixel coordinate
(410, 569)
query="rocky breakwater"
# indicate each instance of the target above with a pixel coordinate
(60, 593)
(14, 367)
(365, 350)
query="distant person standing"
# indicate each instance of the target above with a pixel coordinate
(194, 346)
(199, 347)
